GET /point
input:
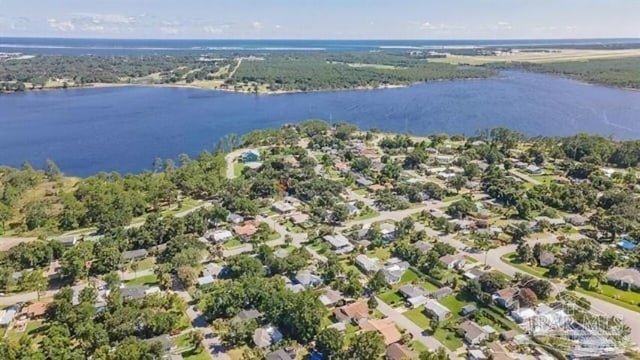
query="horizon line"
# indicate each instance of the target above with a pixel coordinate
(323, 39)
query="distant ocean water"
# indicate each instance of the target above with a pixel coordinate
(63, 46)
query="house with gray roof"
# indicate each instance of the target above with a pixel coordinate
(435, 310)
(339, 243)
(7, 315)
(134, 254)
(367, 264)
(410, 291)
(626, 278)
(393, 271)
(134, 292)
(307, 279)
(423, 246)
(440, 293)
(266, 336)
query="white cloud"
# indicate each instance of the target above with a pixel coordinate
(257, 25)
(427, 26)
(169, 30)
(278, 26)
(501, 25)
(216, 29)
(61, 25)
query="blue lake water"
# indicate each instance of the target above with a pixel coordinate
(124, 129)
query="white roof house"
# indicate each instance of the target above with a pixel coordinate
(436, 310)
(339, 243)
(205, 280)
(221, 235)
(367, 264)
(283, 207)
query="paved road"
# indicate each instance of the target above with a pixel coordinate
(428, 341)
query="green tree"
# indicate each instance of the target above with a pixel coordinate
(365, 346)
(329, 342)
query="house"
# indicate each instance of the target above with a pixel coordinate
(134, 293)
(476, 354)
(414, 302)
(134, 254)
(7, 315)
(280, 354)
(626, 278)
(205, 280)
(534, 170)
(451, 262)
(340, 326)
(505, 297)
(330, 297)
(295, 288)
(219, 236)
(498, 352)
(363, 182)
(36, 310)
(266, 336)
(212, 269)
(474, 273)
(249, 314)
(396, 351)
(436, 310)
(367, 264)
(68, 241)
(339, 243)
(546, 258)
(423, 246)
(165, 341)
(445, 159)
(388, 231)
(386, 327)
(352, 312)
(576, 219)
(442, 292)
(522, 314)
(300, 219)
(307, 279)
(246, 231)
(352, 209)
(394, 269)
(411, 291)
(553, 222)
(282, 207)
(468, 310)
(251, 155)
(235, 218)
(474, 334)
(281, 253)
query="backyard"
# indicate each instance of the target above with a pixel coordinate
(149, 280)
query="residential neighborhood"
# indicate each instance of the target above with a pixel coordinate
(387, 245)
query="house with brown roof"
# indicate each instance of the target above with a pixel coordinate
(473, 333)
(396, 351)
(36, 310)
(352, 312)
(386, 327)
(505, 297)
(247, 230)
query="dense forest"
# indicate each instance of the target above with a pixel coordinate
(38, 71)
(624, 72)
(316, 73)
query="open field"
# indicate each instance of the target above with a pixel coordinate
(540, 57)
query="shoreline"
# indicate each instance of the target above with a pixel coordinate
(245, 92)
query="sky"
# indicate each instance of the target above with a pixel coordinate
(321, 19)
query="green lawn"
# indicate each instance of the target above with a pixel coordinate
(418, 317)
(454, 304)
(144, 280)
(367, 215)
(512, 259)
(34, 328)
(408, 276)
(419, 347)
(144, 264)
(626, 299)
(237, 169)
(447, 338)
(235, 242)
(429, 286)
(381, 253)
(391, 297)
